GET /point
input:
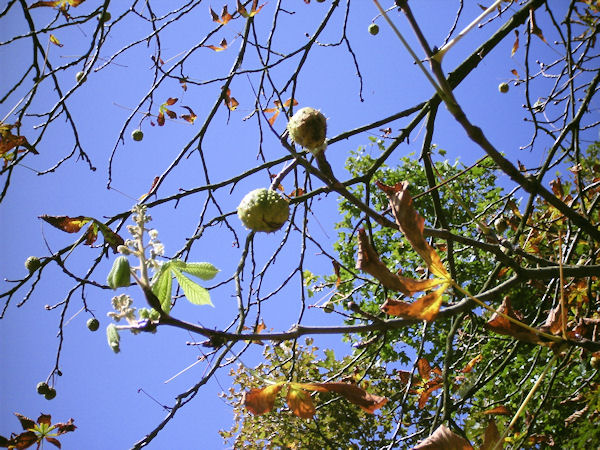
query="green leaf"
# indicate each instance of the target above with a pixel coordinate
(162, 284)
(193, 292)
(202, 270)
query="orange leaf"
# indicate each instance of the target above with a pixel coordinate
(273, 118)
(244, 13)
(498, 411)
(222, 46)
(502, 325)
(336, 270)
(232, 104)
(368, 261)
(431, 387)
(444, 439)
(469, 367)
(65, 223)
(515, 46)
(351, 392)
(425, 307)
(300, 402)
(412, 225)
(261, 401)
(424, 368)
(533, 28)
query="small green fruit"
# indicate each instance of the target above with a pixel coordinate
(93, 324)
(42, 388)
(137, 135)
(328, 307)
(120, 274)
(595, 362)
(50, 394)
(32, 264)
(80, 77)
(503, 87)
(374, 29)
(263, 210)
(104, 17)
(308, 128)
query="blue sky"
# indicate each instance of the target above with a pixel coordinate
(101, 390)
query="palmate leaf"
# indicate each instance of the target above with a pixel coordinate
(162, 285)
(202, 270)
(195, 293)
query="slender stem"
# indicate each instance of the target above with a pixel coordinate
(524, 404)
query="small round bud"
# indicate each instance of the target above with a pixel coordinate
(80, 77)
(374, 29)
(93, 324)
(503, 88)
(50, 394)
(123, 250)
(42, 388)
(137, 135)
(32, 264)
(328, 307)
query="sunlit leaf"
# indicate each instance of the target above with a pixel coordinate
(351, 392)
(368, 261)
(515, 46)
(195, 293)
(429, 389)
(533, 28)
(498, 411)
(222, 46)
(66, 223)
(191, 117)
(261, 401)
(203, 270)
(336, 271)
(424, 368)
(162, 283)
(444, 439)
(425, 307)
(412, 225)
(469, 367)
(55, 41)
(502, 325)
(300, 402)
(253, 11)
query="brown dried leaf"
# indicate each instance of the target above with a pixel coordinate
(444, 439)
(425, 307)
(491, 437)
(222, 46)
(261, 401)
(514, 72)
(351, 392)
(412, 225)
(368, 261)
(424, 368)
(66, 223)
(502, 325)
(336, 271)
(515, 46)
(498, 411)
(430, 388)
(469, 367)
(533, 28)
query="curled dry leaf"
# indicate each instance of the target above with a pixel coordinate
(261, 401)
(425, 307)
(300, 402)
(501, 325)
(444, 439)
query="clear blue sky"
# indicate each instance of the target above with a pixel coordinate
(101, 390)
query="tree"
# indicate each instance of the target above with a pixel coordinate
(463, 285)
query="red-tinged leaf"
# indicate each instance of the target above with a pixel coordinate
(412, 225)
(225, 16)
(501, 325)
(444, 439)
(183, 83)
(424, 368)
(45, 418)
(46, 3)
(171, 114)
(261, 401)
(232, 104)
(403, 375)
(53, 441)
(222, 46)
(514, 72)
(171, 101)
(498, 411)
(214, 15)
(430, 388)
(368, 261)
(351, 392)
(26, 422)
(65, 223)
(336, 271)
(160, 119)
(55, 41)
(65, 427)
(491, 437)
(91, 234)
(25, 439)
(469, 367)
(191, 117)
(515, 46)
(300, 402)
(110, 237)
(425, 307)
(297, 192)
(533, 28)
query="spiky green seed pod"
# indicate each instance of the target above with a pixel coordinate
(42, 388)
(93, 324)
(308, 128)
(263, 210)
(120, 274)
(32, 264)
(112, 335)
